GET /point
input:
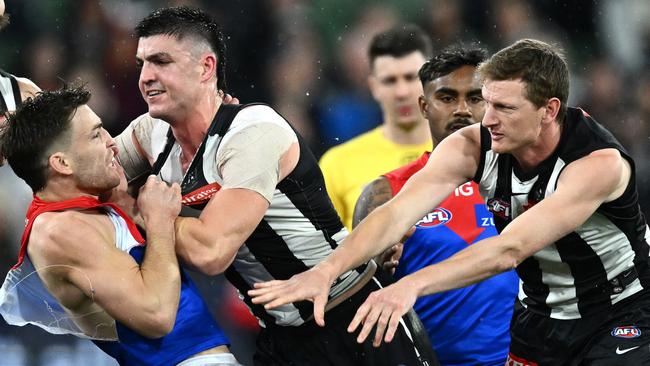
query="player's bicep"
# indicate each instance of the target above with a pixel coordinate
(453, 162)
(250, 158)
(455, 159)
(105, 274)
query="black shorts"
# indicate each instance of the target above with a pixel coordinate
(332, 345)
(620, 337)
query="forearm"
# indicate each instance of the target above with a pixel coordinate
(479, 261)
(378, 232)
(203, 248)
(160, 272)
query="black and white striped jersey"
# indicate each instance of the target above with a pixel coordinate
(10, 92)
(603, 261)
(299, 230)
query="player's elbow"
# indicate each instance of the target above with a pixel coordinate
(210, 266)
(159, 324)
(212, 262)
(510, 257)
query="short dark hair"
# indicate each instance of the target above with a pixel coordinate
(184, 21)
(450, 59)
(400, 41)
(35, 127)
(540, 65)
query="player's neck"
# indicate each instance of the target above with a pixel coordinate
(414, 133)
(59, 191)
(531, 156)
(191, 130)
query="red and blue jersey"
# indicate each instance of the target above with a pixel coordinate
(194, 330)
(467, 326)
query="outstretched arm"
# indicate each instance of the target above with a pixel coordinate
(384, 226)
(587, 183)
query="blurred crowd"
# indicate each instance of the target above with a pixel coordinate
(308, 59)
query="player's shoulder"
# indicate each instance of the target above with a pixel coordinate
(146, 122)
(257, 115)
(68, 228)
(258, 112)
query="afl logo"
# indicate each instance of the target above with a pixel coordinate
(439, 216)
(629, 331)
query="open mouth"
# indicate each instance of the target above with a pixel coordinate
(153, 93)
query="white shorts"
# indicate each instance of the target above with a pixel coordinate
(217, 359)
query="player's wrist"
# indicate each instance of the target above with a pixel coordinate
(328, 270)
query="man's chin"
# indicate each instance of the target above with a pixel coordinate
(407, 124)
(157, 113)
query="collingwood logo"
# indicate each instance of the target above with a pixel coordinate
(499, 208)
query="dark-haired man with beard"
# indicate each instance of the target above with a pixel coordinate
(84, 267)
(256, 191)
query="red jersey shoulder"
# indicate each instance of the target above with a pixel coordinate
(398, 177)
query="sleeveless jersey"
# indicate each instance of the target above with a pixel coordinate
(9, 91)
(467, 326)
(601, 262)
(24, 299)
(299, 229)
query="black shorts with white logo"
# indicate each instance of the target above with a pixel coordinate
(620, 337)
(311, 345)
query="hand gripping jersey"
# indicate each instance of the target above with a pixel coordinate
(299, 229)
(25, 300)
(601, 262)
(467, 326)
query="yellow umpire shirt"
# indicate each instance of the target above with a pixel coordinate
(348, 167)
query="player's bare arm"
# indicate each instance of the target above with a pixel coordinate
(210, 242)
(587, 183)
(375, 194)
(384, 226)
(83, 266)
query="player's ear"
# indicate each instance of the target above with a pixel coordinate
(61, 163)
(551, 110)
(208, 66)
(424, 106)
